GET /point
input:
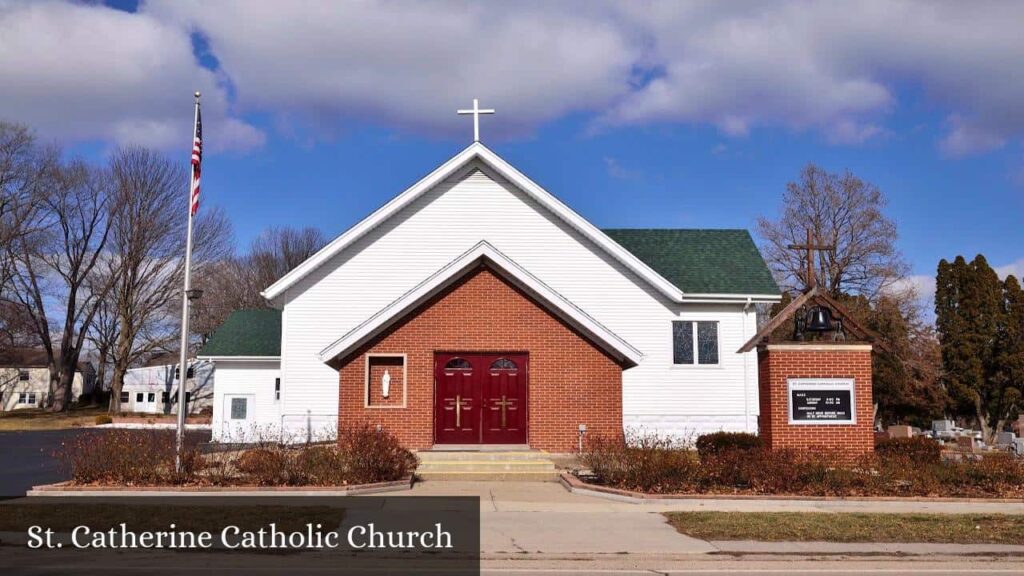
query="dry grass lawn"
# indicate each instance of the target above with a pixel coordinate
(851, 527)
(33, 419)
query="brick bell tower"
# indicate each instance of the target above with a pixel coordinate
(815, 385)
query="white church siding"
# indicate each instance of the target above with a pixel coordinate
(475, 204)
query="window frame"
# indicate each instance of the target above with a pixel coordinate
(366, 381)
(696, 364)
(125, 397)
(231, 408)
(140, 397)
(24, 376)
(277, 389)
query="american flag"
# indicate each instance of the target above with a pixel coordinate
(197, 160)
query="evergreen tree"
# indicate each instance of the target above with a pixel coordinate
(972, 320)
(1010, 347)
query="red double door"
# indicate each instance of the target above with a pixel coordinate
(480, 398)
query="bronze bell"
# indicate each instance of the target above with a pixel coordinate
(819, 319)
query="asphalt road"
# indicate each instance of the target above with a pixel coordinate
(26, 458)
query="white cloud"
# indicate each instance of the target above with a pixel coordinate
(617, 170)
(412, 64)
(87, 71)
(84, 72)
(1015, 268)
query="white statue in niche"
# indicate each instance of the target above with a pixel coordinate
(385, 384)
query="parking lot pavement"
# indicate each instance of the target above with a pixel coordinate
(27, 458)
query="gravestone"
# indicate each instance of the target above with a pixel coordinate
(898, 431)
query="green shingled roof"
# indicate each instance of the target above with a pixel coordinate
(246, 333)
(701, 261)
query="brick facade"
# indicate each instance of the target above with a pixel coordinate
(778, 363)
(570, 381)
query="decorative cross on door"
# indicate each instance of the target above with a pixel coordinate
(503, 405)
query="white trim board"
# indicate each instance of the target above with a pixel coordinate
(502, 264)
(240, 358)
(475, 151)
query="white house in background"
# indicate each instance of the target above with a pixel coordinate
(246, 352)
(153, 389)
(25, 379)
(475, 307)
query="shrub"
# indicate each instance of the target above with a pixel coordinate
(716, 442)
(265, 466)
(126, 457)
(372, 455)
(649, 463)
(319, 466)
(919, 449)
(104, 419)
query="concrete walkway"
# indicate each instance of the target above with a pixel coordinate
(544, 518)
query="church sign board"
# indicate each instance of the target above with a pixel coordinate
(821, 401)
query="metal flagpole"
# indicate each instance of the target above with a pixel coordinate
(183, 358)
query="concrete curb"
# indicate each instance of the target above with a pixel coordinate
(800, 503)
(68, 490)
(148, 426)
(749, 547)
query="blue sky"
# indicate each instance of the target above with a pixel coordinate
(636, 115)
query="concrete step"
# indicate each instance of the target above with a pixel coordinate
(435, 456)
(521, 464)
(487, 466)
(517, 476)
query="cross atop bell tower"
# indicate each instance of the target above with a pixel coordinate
(811, 247)
(476, 111)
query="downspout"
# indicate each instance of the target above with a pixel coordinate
(746, 371)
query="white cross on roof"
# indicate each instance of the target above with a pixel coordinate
(476, 111)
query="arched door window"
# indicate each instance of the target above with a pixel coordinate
(458, 364)
(503, 364)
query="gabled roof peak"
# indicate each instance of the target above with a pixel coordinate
(475, 151)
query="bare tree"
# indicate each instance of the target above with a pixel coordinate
(147, 248)
(54, 266)
(236, 284)
(839, 209)
(23, 165)
(277, 250)
(102, 336)
(16, 327)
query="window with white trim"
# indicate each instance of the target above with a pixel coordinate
(140, 397)
(27, 398)
(125, 396)
(277, 388)
(23, 375)
(694, 343)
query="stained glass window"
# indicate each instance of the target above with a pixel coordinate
(503, 364)
(682, 342)
(707, 342)
(694, 342)
(458, 364)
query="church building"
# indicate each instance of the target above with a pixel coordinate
(476, 308)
